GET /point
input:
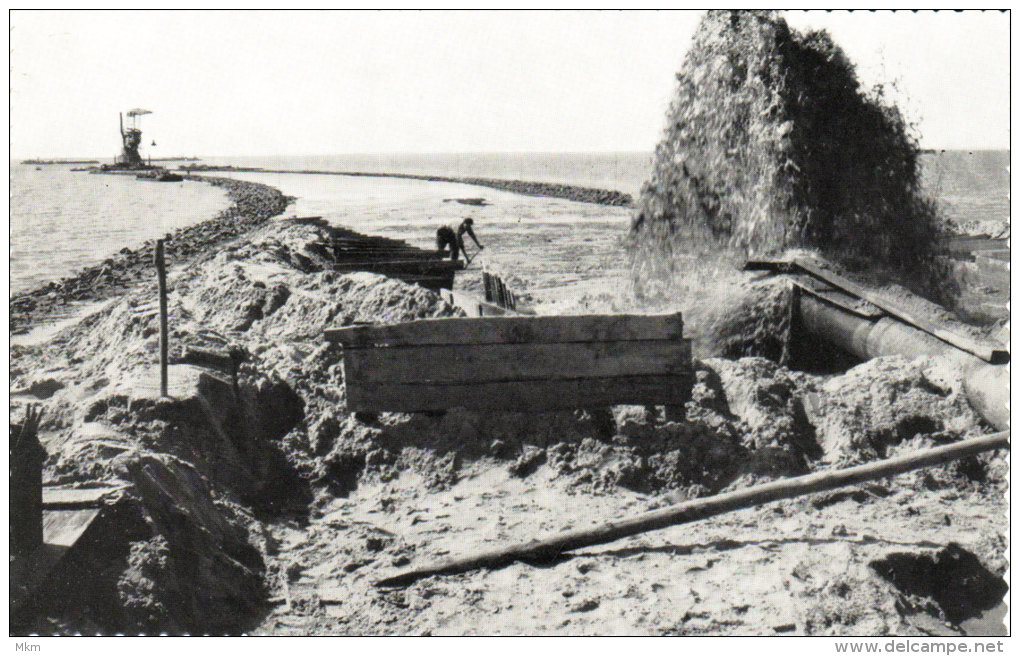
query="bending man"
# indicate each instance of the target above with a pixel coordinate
(454, 238)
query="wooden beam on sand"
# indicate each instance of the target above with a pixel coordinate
(513, 330)
(532, 361)
(537, 395)
(416, 265)
(698, 509)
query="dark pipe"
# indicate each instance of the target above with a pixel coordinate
(986, 384)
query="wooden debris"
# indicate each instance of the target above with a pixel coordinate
(76, 498)
(476, 307)
(27, 456)
(513, 330)
(698, 509)
(496, 292)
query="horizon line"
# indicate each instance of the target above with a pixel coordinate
(14, 157)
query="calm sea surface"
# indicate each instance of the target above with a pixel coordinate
(63, 220)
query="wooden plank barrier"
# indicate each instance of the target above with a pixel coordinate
(163, 330)
(524, 363)
(476, 307)
(487, 284)
(497, 293)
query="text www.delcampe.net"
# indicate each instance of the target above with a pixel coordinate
(919, 646)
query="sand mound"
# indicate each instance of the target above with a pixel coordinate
(773, 425)
(881, 403)
(890, 406)
(771, 142)
(231, 432)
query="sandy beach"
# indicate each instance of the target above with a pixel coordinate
(328, 504)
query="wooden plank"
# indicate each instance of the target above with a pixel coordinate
(342, 234)
(529, 396)
(504, 293)
(478, 363)
(473, 306)
(64, 527)
(395, 245)
(986, 352)
(969, 243)
(847, 302)
(513, 330)
(164, 345)
(487, 284)
(399, 262)
(74, 498)
(547, 548)
(424, 279)
(416, 252)
(399, 266)
(993, 265)
(382, 256)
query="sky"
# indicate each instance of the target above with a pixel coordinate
(234, 83)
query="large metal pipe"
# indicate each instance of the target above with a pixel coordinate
(986, 385)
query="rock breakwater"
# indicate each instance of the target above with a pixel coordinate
(553, 190)
(252, 204)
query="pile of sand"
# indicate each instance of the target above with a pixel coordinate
(771, 142)
(890, 406)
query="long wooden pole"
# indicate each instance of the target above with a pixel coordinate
(163, 332)
(697, 509)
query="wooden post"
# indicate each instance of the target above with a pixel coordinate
(487, 283)
(26, 460)
(163, 332)
(697, 509)
(502, 291)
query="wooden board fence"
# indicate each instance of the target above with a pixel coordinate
(516, 363)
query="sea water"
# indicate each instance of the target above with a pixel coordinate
(969, 185)
(63, 220)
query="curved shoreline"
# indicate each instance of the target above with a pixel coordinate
(549, 189)
(253, 203)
